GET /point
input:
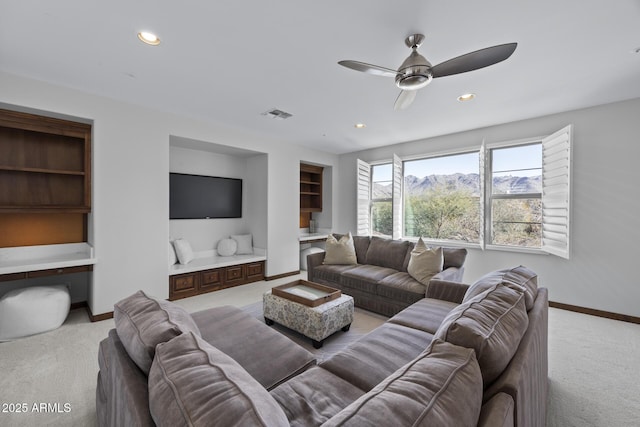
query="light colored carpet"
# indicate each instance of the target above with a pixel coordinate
(593, 365)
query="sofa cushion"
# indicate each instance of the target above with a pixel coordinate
(236, 333)
(387, 253)
(365, 277)
(441, 387)
(453, 257)
(143, 322)
(314, 396)
(330, 273)
(361, 244)
(519, 276)
(193, 383)
(424, 262)
(426, 315)
(377, 355)
(401, 286)
(340, 251)
(491, 323)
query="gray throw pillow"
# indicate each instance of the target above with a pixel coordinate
(143, 322)
(192, 383)
(492, 323)
(519, 277)
(442, 387)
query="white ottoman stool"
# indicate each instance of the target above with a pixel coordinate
(33, 310)
(305, 252)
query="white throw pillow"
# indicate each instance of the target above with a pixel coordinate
(425, 262)
(245, 243)
(340, 251)
(227, 247)
(172, 255)
(183, 251)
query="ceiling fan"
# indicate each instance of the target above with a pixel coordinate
(416, 72)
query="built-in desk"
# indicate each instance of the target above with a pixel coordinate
(312, 237)
(46, 260)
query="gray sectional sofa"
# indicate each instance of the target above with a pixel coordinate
(463, 356)
(380, 281)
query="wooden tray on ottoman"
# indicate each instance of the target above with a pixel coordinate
(308, 293)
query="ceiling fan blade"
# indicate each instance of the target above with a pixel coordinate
(376, 70)
(474, 60)
(405, 99)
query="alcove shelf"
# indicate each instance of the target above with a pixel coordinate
(45, 164)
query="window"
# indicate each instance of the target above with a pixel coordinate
(525, 205)
(515, 196)
(442, 198)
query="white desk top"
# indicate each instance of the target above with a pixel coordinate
(308, 237)
(45, 257)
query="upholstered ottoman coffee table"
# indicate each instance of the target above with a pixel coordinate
(314, 310)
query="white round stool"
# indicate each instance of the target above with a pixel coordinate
(33, 310)
(304, 253)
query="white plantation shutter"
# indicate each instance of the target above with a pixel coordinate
(556, 186)
(363, 225)
(397, 197)
(484, 198)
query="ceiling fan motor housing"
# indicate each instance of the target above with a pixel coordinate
(414, 73)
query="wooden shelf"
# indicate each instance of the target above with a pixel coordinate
(41, 170)
(310, 188)
(46, 164)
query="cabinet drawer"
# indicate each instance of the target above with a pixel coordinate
(234, 274)
(255, 271)
(56, 271)
(12, 276)
(183, 285)
(211, 280)
(211, 277)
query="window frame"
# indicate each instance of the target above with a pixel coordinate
(489, 196)
(447, 242)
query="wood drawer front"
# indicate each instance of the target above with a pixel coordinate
(234, 274)
(255, 270)
(56, 271)
(211, 278)
(183, 285)
(12, 276)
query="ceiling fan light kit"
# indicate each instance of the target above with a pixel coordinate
(416, 72)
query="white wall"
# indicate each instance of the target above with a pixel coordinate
(130, 186)
(601, 273)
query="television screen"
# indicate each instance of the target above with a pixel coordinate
(197, 196)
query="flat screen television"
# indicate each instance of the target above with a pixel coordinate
(198, 197)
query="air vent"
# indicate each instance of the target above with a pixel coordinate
(277, 114)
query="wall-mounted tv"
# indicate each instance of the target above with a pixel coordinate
(198, 196)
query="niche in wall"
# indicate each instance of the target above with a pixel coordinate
(189, 156)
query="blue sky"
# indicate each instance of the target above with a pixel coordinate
(516, 159)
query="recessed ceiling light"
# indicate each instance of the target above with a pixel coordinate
(148, 38)
(360, 126)
(466, 97)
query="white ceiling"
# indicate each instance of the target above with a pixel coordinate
(229, 61)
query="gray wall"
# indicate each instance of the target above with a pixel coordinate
(601, 273)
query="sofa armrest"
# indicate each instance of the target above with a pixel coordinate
(450, 274)
(313, 261)
(497, 412)
(446, 290)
